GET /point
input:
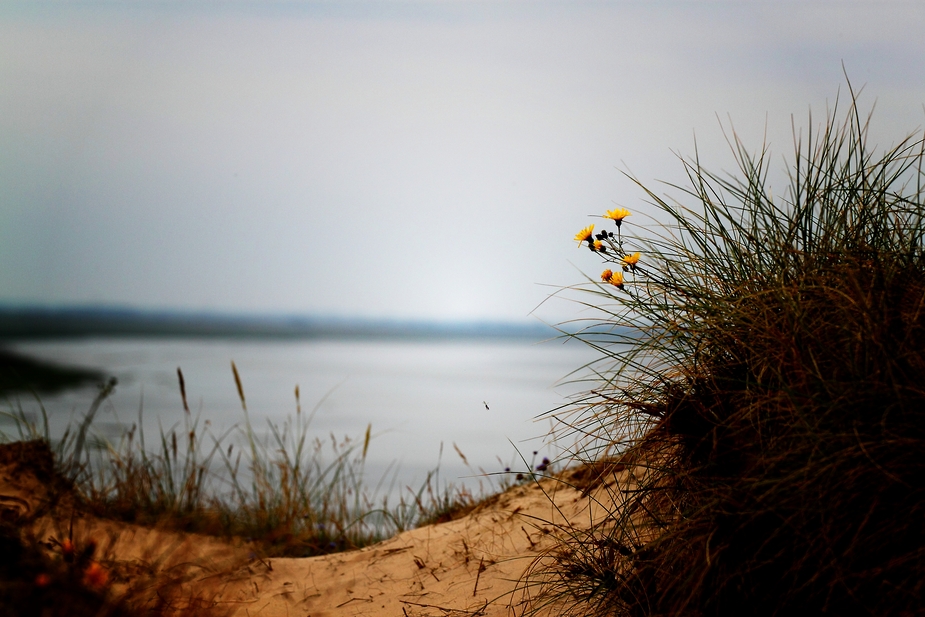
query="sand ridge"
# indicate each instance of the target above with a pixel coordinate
(475, 565)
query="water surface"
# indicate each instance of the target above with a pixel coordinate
(420, 396)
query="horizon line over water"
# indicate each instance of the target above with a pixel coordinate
(48, 322)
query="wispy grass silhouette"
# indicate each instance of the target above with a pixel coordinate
(284, 490)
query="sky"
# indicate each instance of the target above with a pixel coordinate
(413, 160)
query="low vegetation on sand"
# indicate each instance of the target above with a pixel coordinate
(291, 494)
(281, 492)
(764, 371)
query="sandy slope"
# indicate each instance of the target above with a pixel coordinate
(475, 565)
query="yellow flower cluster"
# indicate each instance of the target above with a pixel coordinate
(614, 278)
(628, 263)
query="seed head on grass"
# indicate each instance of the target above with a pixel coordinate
(237, 383)
(182, 390)
(366, 437)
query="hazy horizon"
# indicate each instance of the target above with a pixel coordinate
(51, 322)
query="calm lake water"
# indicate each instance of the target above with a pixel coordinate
(417, 394)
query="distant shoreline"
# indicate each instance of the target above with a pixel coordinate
(29, 323)
(19, 373)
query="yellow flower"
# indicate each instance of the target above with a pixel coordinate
(598, 246)
(617, 215)
(631, 261)
(616, 279)
(584, 234)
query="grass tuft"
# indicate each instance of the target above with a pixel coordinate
(288, 493)
(763, 374)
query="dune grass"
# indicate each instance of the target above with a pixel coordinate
(287, 492)
(763, 372)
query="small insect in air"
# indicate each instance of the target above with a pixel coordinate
(486, 405)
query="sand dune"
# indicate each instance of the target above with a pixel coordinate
(475, 565)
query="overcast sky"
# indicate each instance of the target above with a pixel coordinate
(389, 159)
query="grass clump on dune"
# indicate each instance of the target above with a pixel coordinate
(286, 492)
(764, 368)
